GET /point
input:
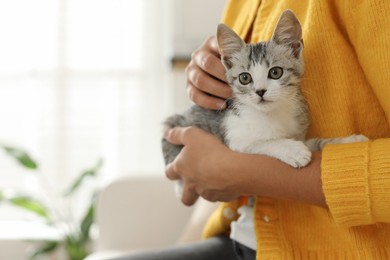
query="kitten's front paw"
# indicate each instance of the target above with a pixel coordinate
(296, 154)
(354, 139)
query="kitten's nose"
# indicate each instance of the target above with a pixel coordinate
(261, 92)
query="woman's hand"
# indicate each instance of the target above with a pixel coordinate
(201, 166)
(205, 74)
(211, 170)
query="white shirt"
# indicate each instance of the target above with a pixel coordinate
(243, 230)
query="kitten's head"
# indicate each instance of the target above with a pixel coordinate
(266, 73)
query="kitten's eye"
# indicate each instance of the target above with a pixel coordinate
(275, 73)
(245, 78)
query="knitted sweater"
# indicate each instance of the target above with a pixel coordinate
(347, 86)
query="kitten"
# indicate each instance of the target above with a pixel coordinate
(268, 114)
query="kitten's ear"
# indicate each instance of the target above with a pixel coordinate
(288, 31)
(229, 43)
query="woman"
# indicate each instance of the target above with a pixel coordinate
(337, 206)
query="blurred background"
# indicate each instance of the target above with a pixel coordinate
(87, 79)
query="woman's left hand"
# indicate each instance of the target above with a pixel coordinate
(201, 165)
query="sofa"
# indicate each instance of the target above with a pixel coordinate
(144, 213)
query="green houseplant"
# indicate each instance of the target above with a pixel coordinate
(75, 235)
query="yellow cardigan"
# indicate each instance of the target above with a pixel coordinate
(347, 85)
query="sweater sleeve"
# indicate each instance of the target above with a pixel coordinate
(356, 177)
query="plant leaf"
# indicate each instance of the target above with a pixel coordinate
(22, 157)
(87, 173)
(76, 249)
(87, 221)
(47, 247)
(31, 205)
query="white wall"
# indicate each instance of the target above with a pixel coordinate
(193, 21)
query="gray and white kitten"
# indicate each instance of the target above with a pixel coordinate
(268, 114)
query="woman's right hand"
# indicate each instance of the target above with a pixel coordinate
(205, 75)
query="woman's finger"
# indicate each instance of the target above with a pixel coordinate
(189, 196)
(176, 135)
(204, 82)
(171, 172)
(203, 99)
(211, 64)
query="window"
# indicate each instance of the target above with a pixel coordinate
(80, 80)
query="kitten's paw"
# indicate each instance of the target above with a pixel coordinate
(354, 139)
(296, 154)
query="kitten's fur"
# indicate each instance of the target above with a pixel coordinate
(268, 114)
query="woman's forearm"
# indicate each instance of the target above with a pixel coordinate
(264, 176)
(211, 170)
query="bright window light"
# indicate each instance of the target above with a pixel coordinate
(80, 80)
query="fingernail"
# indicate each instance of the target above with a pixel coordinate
(166, 132)
(221, 105)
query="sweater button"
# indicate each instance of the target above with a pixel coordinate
(229, 213)
(266, 219)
